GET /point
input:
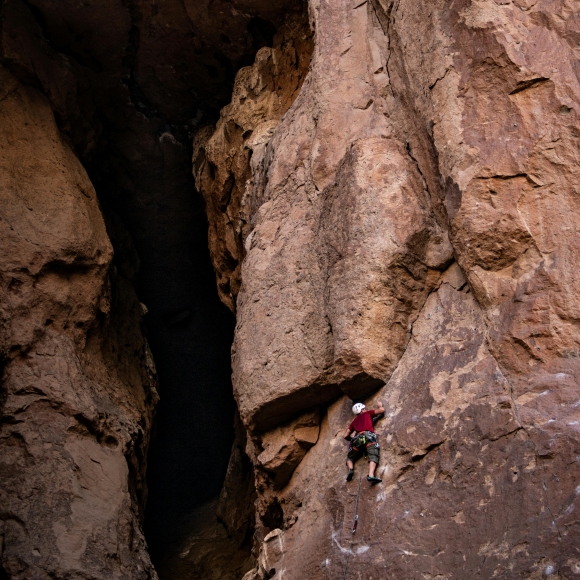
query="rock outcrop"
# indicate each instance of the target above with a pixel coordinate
(226, 158)
(411, 231)
(104, 97)
(115, 92)
(79, 382)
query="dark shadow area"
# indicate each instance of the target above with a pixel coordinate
(189, 330)
(190, 333)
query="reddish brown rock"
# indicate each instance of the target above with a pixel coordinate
(422, 134)
(393, 210)
(503, 126)
(77, 403)
(286, 446)
(127, 83)
(466, 492)
(224, 159)
(323, 287)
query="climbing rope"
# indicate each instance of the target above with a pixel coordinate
(354, 525)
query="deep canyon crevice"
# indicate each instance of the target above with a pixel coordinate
(127, 98)
(383, 194)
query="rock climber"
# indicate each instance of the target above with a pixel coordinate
(362, 436)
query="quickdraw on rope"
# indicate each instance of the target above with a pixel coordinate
(354, 525)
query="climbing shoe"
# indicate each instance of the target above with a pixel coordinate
(350, 475)
(373, 479)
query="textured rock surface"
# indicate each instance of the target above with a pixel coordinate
(285, 447)
(93, 64)
(322, 285)
(412, 224)
(226, 158)
(128, 83)
(78, 378)
(393, 206)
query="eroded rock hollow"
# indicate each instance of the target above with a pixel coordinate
(391, 195)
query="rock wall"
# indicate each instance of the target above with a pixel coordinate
(226, 157)
(409, 228)
(78, 380)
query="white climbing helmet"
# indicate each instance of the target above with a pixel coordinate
(358, 408)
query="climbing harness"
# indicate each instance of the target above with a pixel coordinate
(354, 525)
(365, 439)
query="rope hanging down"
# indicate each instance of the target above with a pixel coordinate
(355, 520)
(354, 525)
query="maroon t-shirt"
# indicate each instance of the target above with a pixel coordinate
(363, 422)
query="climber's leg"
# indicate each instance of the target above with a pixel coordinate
(353, 456)
(373, 451)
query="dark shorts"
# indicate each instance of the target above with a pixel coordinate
(372, 450)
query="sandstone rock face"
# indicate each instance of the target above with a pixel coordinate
(226, 158)
(127, 84)
(78, 378)
(285, 447)
(321, 282)
(504, 130)
(412, 229)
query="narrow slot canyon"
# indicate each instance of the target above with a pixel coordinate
(190, 334)
(130, 86)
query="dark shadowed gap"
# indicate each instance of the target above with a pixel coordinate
(190, 333)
